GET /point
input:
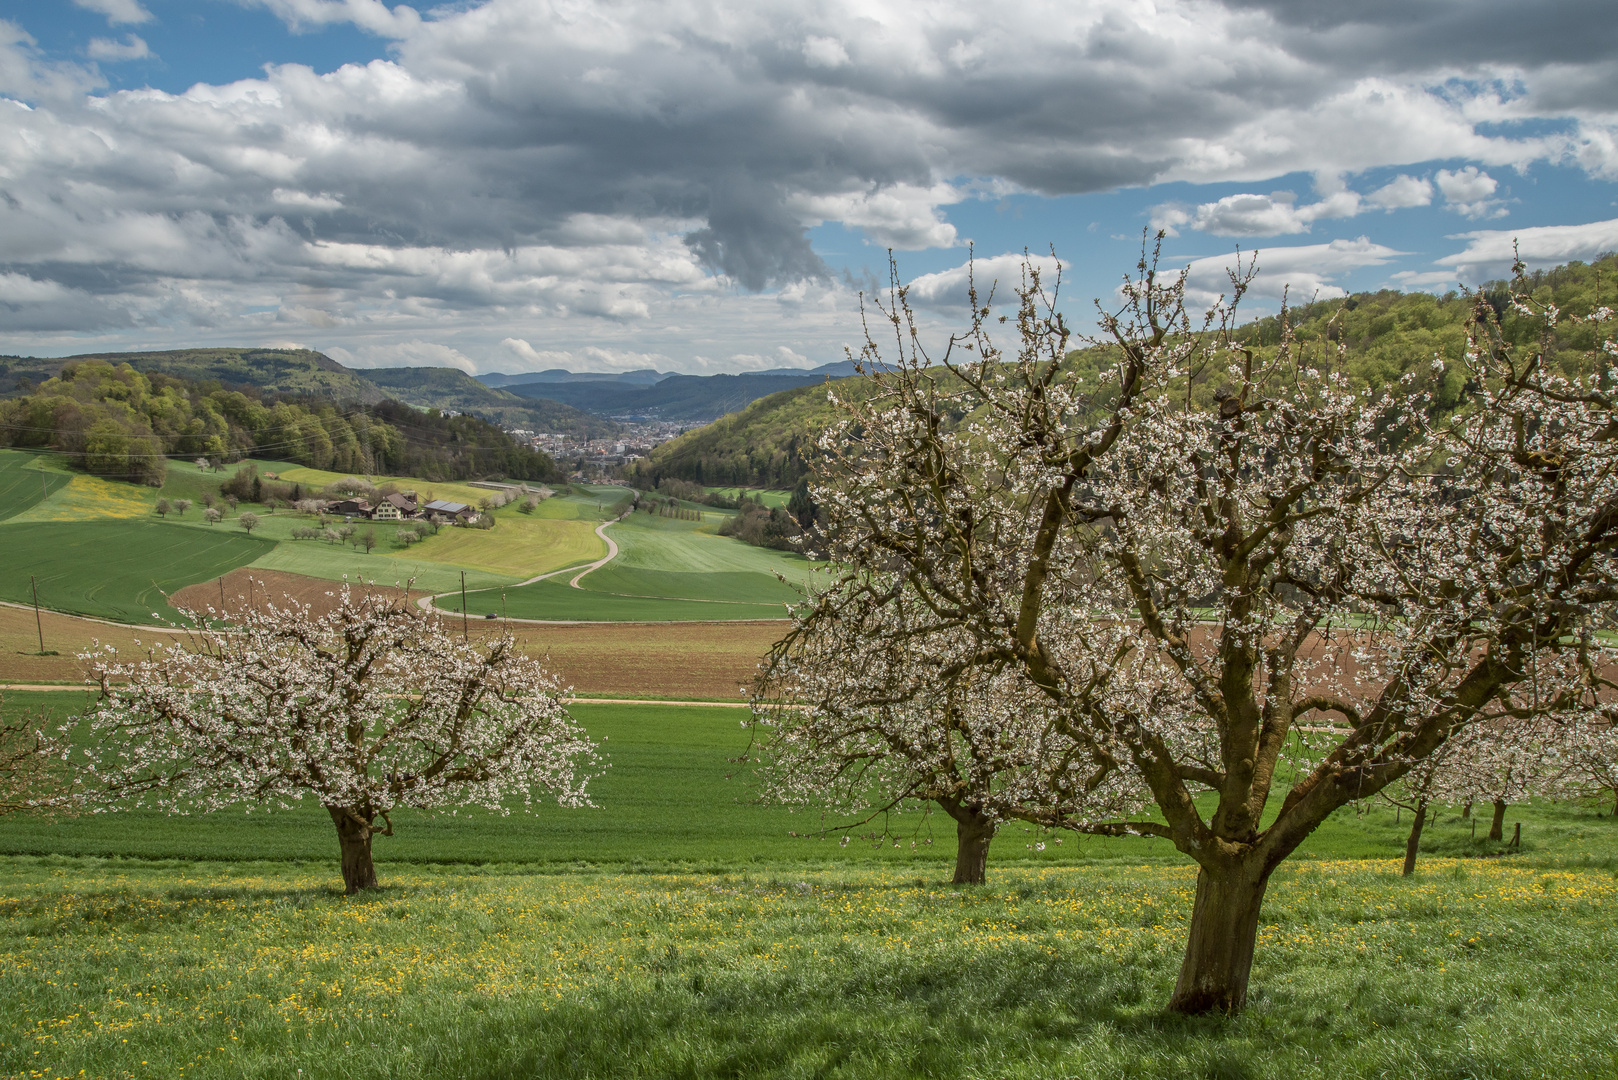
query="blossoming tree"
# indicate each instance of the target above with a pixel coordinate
(1192, 547)
(914, 721)
(367, 708)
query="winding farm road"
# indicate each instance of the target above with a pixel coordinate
(426, 602)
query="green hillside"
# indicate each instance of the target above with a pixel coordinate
(121, 570)
(283, 371)
(306, 373)
(763, 445)
(1384, 335)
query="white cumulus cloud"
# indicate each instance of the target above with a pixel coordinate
(1301, 273)
(1001, 275)
(133, 47)
(1468, 191)
(1489, 252)
(117, 11)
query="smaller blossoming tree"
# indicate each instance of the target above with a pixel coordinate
(369, 707)
(32, 774)
(914, 721)
(1592, 757)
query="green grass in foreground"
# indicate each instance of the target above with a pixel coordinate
(722, 947)
(1472, 969)
(116, 569)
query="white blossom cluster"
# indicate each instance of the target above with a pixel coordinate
(369, 707)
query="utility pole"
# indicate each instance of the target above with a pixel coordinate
(32, 584)
(463, 607)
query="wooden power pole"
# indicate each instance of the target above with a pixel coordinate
(463, 607)
(32, 584)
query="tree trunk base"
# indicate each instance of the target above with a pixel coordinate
(359, 873)
(1497, 827)
(973, 832)
(1219, 952)
(1412, 845)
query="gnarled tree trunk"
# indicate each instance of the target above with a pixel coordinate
(973, 832)
(1412, 845)
(1224, 930)
(1497, 828)
(355, 840)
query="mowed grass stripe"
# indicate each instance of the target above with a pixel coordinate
(120, 570)
(23, 484)
(737, 587)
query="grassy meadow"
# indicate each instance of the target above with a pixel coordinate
(669, 569)
(119, 570)
(679, 929)
(1471, 969)
(26, 481)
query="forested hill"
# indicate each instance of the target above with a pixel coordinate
(316, 375)
(1385, 334)
(280, 371)
(119, 422)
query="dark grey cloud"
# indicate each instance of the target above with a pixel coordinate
(1426, 35)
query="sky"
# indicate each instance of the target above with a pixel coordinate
(707, 185)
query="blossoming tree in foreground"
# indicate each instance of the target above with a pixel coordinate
(1193, 547)
(365, 709)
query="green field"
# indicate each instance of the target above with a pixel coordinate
(118, 570)
(669, 569)
(678, 930)
(666, 801)
(23, 483)
(666, 570)
(151, 555)
(769, 497)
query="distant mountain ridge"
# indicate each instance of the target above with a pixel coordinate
(581, 404)
(683, 398)
(642, 377)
